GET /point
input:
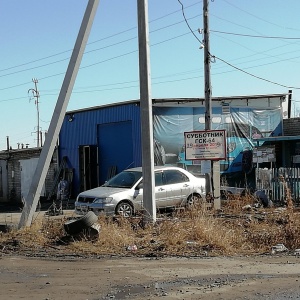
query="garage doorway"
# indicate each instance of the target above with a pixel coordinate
(115, 142)
(88, 166)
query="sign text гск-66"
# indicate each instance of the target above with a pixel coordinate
(205, 145)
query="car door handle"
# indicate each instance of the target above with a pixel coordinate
(161, 189)
(186, 185)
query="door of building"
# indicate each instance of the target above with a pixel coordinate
(115, 142)
(88, 166)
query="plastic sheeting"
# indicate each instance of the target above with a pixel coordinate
(242, 125)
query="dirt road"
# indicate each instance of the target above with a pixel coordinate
(260, 277)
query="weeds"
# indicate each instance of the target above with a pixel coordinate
(197, 231)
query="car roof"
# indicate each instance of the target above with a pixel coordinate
(139, 169)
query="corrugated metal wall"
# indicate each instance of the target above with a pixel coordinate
(82, 130)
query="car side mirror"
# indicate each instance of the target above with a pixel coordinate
(139, 186)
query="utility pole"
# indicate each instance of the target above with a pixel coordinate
(43, 164)
(207, 84)
(212, 182)
(7, 143)
(36, 95)
(146, 114)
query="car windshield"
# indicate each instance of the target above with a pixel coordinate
(125, 179)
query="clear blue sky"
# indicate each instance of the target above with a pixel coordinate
(258, 37)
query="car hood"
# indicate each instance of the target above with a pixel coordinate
(102, 191)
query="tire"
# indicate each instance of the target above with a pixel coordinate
(159, 154)
(124, 209)
(75, 226)
(193, 200)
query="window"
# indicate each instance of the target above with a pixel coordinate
(159, 179)
(174, 176)
(124, 179)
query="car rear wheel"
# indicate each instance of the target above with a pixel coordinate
(124, 209)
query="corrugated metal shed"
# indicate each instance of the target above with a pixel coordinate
(79, 137)
(106, 139)
(16, 169)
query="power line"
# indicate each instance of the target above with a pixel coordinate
(103, 61)
(113, 35)
(259, 18)
(239, 69)
(261, 78)
(187, 23)
(109, 59)
(154, 78)
(87, 52)
(182, 9)
(96, 63)
(257, 36)
(100, 40)
(34, 61)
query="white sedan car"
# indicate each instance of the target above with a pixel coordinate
(123, 194)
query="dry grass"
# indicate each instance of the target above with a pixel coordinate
(237, 230)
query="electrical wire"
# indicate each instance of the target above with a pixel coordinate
(213, 57)
(185, 20)
(250, 74)
(94, 64)
(100, 40)
(187, 23)
(259, 18)
(88, 52)
(257, 36)
(118, 43)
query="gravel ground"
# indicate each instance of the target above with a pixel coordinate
(63, 277)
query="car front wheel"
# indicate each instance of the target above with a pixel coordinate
(124, 209)
(194, 199)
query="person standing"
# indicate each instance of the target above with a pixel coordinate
(62, 192)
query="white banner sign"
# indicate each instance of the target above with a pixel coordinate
(205, 145)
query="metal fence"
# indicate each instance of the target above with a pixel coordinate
(274, 183)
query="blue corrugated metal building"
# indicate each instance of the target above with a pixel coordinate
(100, 142)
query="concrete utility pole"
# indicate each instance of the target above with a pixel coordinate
(34, 193)
(207, 84)
(36, 95)
(146, 113)
(212, 185)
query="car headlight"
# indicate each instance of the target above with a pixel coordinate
(103, 200)
(231, 146)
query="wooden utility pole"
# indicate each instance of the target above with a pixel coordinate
(207, 84)
(146, 114)
(43, 164)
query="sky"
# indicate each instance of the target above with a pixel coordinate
(255, 48)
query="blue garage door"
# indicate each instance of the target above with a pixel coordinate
(115, 148)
